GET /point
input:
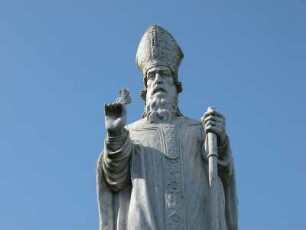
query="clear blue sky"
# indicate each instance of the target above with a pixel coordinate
(60, 61)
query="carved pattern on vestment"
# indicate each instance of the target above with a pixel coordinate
(173, 181)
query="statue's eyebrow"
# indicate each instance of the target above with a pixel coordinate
(160, 71)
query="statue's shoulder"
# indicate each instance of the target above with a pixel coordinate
(137, 124)
(192, 127)
(183, 120)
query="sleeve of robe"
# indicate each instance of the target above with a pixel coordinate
(226, 172)
(113, 182)
(116, 161)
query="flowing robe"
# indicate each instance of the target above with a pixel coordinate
(155, 176)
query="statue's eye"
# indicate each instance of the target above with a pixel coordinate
(151, 76)
(165, 73)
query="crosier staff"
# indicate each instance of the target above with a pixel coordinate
(213, 174)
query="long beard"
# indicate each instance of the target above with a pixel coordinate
(160, 109)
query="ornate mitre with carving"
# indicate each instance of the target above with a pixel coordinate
(158, 48)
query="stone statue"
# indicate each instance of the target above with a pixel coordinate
(153, 174)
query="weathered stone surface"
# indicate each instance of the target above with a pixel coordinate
(155, 173)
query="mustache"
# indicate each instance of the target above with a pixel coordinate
(159, 88)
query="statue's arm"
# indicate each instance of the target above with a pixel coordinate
(116, 160)
(225, 162)
(117, 148)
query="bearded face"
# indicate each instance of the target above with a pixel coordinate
(161, 97)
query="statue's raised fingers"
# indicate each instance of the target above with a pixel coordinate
(107, 109)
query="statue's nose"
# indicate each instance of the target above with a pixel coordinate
(158, 78)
